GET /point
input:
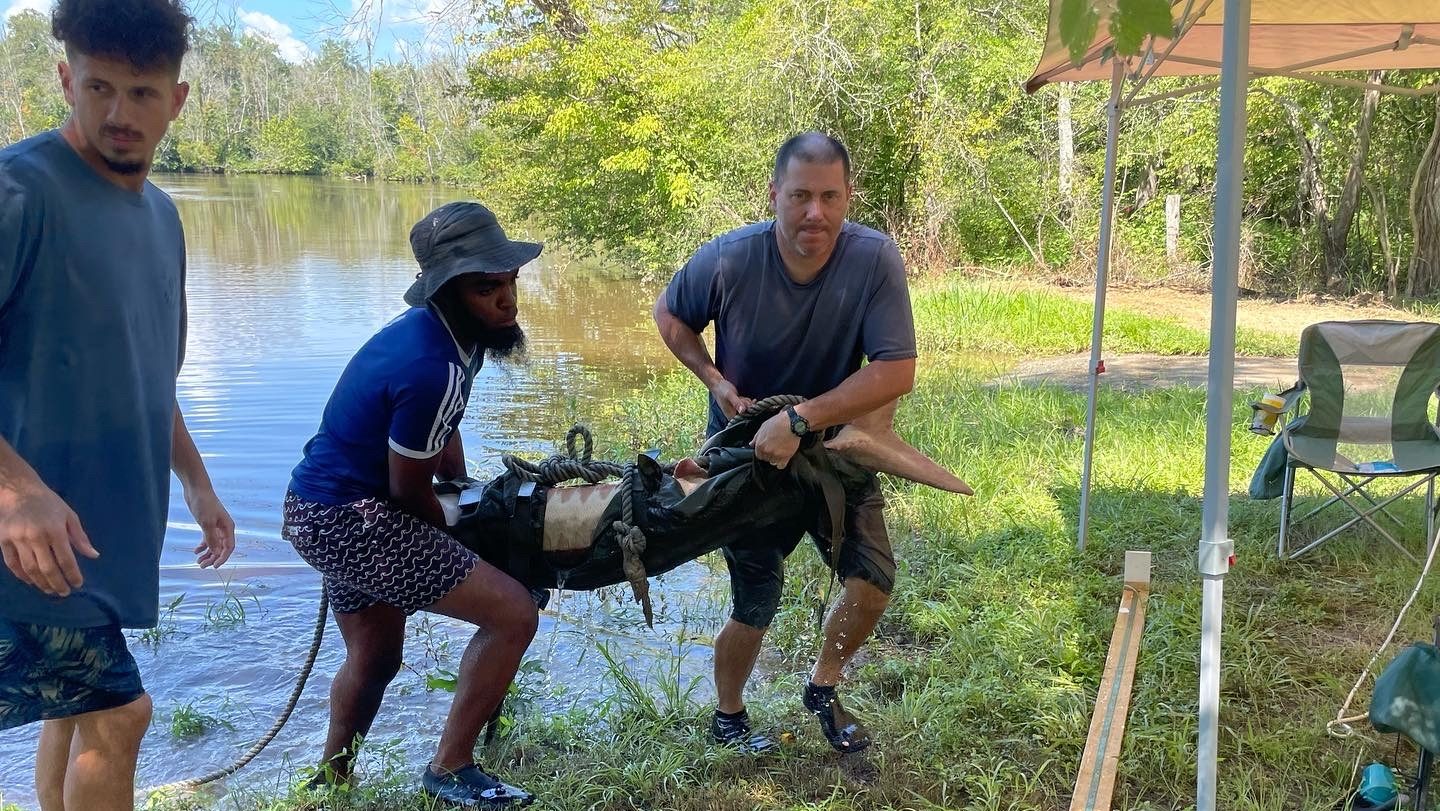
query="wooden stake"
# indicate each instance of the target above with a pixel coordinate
(1098, 766)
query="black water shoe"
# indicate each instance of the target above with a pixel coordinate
(843, 730)
(472, 787)
(733, 729)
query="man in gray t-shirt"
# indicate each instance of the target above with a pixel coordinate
(92, 262)
(797, 303)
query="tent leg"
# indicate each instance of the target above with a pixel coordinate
(1429, 511)
(1102, 272)
(1287, 500)
(1215, 546)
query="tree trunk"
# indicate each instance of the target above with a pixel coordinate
(1425, 218)
(1382, 227)
(1148, 188)
(1312, 203)
(1335, 232)
(1067, 145)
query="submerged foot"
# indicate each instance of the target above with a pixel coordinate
(328, 775)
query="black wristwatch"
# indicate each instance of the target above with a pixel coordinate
(799, 426)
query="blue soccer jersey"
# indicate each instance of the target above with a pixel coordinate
(405, 390)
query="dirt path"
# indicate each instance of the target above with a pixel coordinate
(1133, 372)
(1193, 309)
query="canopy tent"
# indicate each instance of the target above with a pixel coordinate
(1236, 39)
(1285, 37)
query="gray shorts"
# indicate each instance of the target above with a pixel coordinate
(757, 563)
(372, 552)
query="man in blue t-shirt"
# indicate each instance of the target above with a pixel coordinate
(362, 507)
(797, 303)
(92, 324)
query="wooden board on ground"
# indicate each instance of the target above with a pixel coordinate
(1098, 766)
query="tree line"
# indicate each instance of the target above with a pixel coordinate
(639, 128)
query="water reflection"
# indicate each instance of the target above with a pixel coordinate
(287, 276)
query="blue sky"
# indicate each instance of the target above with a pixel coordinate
(297, 27)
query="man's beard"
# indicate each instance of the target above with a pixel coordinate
(118, 166)
(505, 343)
(123, 167)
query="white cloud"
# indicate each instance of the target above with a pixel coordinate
(17, 6)
(268, 28)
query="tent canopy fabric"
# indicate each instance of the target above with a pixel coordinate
(1285, 35)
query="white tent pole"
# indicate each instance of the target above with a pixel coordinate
(1215, 546)
(1102, 270)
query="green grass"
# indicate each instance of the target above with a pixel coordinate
(187, 722)
(980, 680)
(959, 315)
(230, 611)
(165, 627)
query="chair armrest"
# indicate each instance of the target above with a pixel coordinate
(1292, 396)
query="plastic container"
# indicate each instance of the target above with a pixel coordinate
(1377, 785)
(1267, 413)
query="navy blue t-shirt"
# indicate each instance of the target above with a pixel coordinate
(91, 329)
(773, 336)
(405, 390)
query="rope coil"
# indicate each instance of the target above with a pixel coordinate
(581, 465)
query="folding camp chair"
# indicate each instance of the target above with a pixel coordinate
(1368, 419)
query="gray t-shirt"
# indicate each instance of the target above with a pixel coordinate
(773, 336)
(91, 325)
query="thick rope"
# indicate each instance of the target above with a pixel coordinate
(632, 546)
(196, 782)
(766, 406)
(1341, 726)
(581, 465)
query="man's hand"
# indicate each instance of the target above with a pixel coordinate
(39, 535)
(729, 400)
(775, 442)
(217, 529)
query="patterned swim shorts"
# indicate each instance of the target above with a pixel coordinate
(371, 552)
(48, 672)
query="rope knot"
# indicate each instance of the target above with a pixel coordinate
(632, 546)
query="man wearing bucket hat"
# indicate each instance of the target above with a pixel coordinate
(362, 509)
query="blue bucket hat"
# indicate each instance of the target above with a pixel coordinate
(459, 238)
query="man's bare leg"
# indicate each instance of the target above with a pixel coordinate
(850, 623)
(848, 626)
(737, 646)
(374, 646)
(101, 772)
(51, 760)
(506, 617)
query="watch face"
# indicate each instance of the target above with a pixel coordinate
(798, 425)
